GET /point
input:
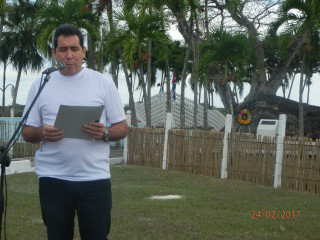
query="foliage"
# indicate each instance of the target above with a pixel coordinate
(19, 33)
(136, 31)
(224, 50)
(72, 11)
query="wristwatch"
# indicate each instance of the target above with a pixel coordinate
(106, 136)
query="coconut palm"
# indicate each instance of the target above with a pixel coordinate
(227, 56)
(299, 18)
(21, 38)
(111, 47)
(72, 11)
(2, 14)
(5, 52)
(139, 28)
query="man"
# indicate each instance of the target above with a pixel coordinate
(74, 174)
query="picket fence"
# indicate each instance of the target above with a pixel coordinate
(250, 158)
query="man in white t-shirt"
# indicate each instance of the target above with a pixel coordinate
(74, 175)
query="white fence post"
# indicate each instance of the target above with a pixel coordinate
(165, 146)
(279, 153)
(125, 141)
(227, 130)
(11, 130)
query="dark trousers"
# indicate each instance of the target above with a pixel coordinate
(60, 200)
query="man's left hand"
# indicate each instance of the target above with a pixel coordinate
(94, 130)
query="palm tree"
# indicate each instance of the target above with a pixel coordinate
(2, 14)
(20, 36)
(114, 54)
(227, 56)
(72, 11)
(299, 18)
(5, 52)
(139, 28)
(106, 56)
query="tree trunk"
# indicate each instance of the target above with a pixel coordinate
(308, 95)
(149, 71)
(145, 98)
(294, 76)
(183, 87)
(195, 102)
(168, 87)
(130, 90)
(16, 88)
(234, 91)
(199, 93)
(205, 108)
(112, 32)
(195, 44)
(91, 54)
(259, 83)
(301, 126)
(4, 90)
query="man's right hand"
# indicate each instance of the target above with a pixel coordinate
(51, 134)
(47, 133)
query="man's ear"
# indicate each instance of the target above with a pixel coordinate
(53, 51)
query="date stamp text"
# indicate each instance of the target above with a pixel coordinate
(276, 214)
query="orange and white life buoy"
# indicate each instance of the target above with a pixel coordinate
(244, 117)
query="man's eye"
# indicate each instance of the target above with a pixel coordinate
(75, 49)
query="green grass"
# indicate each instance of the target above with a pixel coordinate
(210, 209)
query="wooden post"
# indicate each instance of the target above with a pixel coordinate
(279, 153)
(165, 146)
(227, 130)
(125, 141)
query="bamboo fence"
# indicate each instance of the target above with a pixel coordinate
(146, 146)
(22, 149)
(196, 152)
(301, 165)
(250, 158)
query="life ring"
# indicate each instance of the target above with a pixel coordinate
(244, 117)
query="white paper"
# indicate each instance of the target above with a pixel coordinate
(71, 118)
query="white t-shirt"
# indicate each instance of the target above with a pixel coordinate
(74, 159)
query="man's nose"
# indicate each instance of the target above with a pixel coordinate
(69, 53)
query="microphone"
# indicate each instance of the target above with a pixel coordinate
(58, 67)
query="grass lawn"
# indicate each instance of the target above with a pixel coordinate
(209, 209)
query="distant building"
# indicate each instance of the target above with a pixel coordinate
(216, 119)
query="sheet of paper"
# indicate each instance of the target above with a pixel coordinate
(71, 118)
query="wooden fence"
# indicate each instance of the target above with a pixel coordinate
(190, 151)
(250, 158)
(22, 149)
(146, 146)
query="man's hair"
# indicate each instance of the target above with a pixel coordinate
(67, 30)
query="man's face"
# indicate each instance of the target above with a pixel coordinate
(70, 53)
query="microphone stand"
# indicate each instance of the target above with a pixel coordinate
(5, 159)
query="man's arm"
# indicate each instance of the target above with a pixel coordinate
(39, 134)
(116, 131)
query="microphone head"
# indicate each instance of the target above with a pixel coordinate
(61, 66)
